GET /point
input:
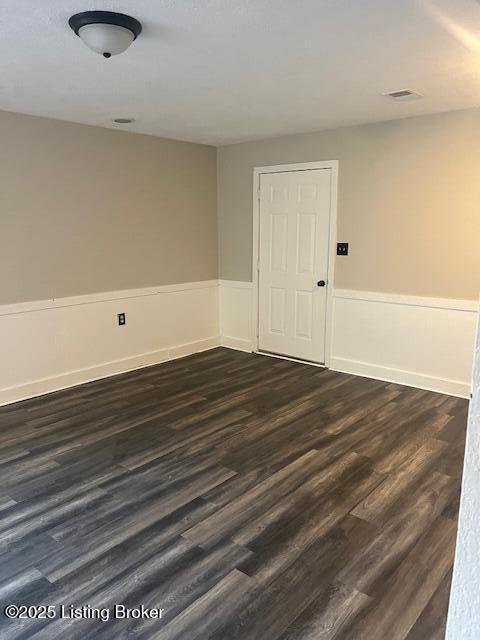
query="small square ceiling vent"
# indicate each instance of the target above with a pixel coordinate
(403, 95)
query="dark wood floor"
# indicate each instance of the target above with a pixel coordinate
(251, 498)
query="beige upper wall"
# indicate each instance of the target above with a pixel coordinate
(85, 209)
(408, 202)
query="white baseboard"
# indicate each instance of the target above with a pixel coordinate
(104, 370)
(399, 376)
(239, 344)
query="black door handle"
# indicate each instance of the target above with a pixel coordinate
(321, 283)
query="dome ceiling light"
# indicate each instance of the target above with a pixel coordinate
(105, 32)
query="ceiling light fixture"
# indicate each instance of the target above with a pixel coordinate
(123, 120)
(105, 32)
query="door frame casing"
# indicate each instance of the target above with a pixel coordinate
(332, 238)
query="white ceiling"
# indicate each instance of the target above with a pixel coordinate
(221, 71)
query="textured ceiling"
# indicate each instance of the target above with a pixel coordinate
(220, 71)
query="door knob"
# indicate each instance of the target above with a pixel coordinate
(321, 283)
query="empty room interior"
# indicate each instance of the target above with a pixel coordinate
(239, 302)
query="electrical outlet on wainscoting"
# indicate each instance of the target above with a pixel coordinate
(122, 319)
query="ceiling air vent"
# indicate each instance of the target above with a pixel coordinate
(403, 95)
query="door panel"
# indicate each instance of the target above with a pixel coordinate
(293, 256)
(304, 314)
(277, 311)
(305, 243)
(278, 243)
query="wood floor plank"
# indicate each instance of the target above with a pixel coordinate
(400, 481)
(409, 590)
(328, 615)
(226, 520)
(413, 517)
(432, 622)
(208, 613)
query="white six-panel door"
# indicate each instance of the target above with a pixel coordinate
(293, 258)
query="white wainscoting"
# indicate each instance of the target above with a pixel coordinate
(237, 323)
(421, 342)
(52, 344)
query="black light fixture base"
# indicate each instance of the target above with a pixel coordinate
(85, 18)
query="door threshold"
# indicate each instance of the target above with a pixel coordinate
(280, 356)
